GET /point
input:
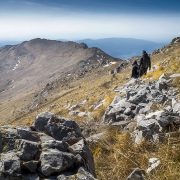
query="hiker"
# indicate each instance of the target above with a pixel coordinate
(135, 70)
(145, 63)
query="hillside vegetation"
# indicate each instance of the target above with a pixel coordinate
(117, 155)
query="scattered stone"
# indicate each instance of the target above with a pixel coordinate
(95, 137)
(175, 106)
(137, 101)
(162, 83)
(137, 174)
(82, 114)
(175, 76)
(153, 164)
(120, 125)
(81, 175)
(140, 97)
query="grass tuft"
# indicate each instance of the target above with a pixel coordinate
(117, 155)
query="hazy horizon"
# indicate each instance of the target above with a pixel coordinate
(154, 20)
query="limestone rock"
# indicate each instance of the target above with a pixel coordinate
(28, 150)
(54, 144)
(137, 174)
(30, 166)
(51, 148)
(57, 127)
(10, 164)
(27, 134)
(82, 148)
(153, 164)
(140, 97)
(54, 161)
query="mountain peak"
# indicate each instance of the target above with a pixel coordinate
(43, 61)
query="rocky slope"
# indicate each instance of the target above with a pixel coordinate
(149, 110)
(28, 71)
(37, 62)
(52, 148)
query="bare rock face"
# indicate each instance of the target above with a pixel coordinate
(52, 148)
(54, 161)
(57, 127)
(134, 104)
(10, 163)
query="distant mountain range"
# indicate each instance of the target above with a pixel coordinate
(4, 43)
(123, 47)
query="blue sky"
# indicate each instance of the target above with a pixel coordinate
(156, 20)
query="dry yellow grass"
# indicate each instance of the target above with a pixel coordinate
(91, 88)
(116, 156)
(168, 62)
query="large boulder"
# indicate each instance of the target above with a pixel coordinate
(10, 164)
(28, 150)
(119, 110)
(30, 166)
(81, 148)
(54, 161)
(153, 126)
(8, 138)
(140, 97)
(54, 144)
(27, 134)
(58, 127)
(146, 130)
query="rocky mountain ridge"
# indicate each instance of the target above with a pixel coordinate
(30, 70)
(40, 61)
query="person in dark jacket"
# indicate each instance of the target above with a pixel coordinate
(135, 70)
(145, 63)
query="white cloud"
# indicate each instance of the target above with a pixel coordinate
(89, 26)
